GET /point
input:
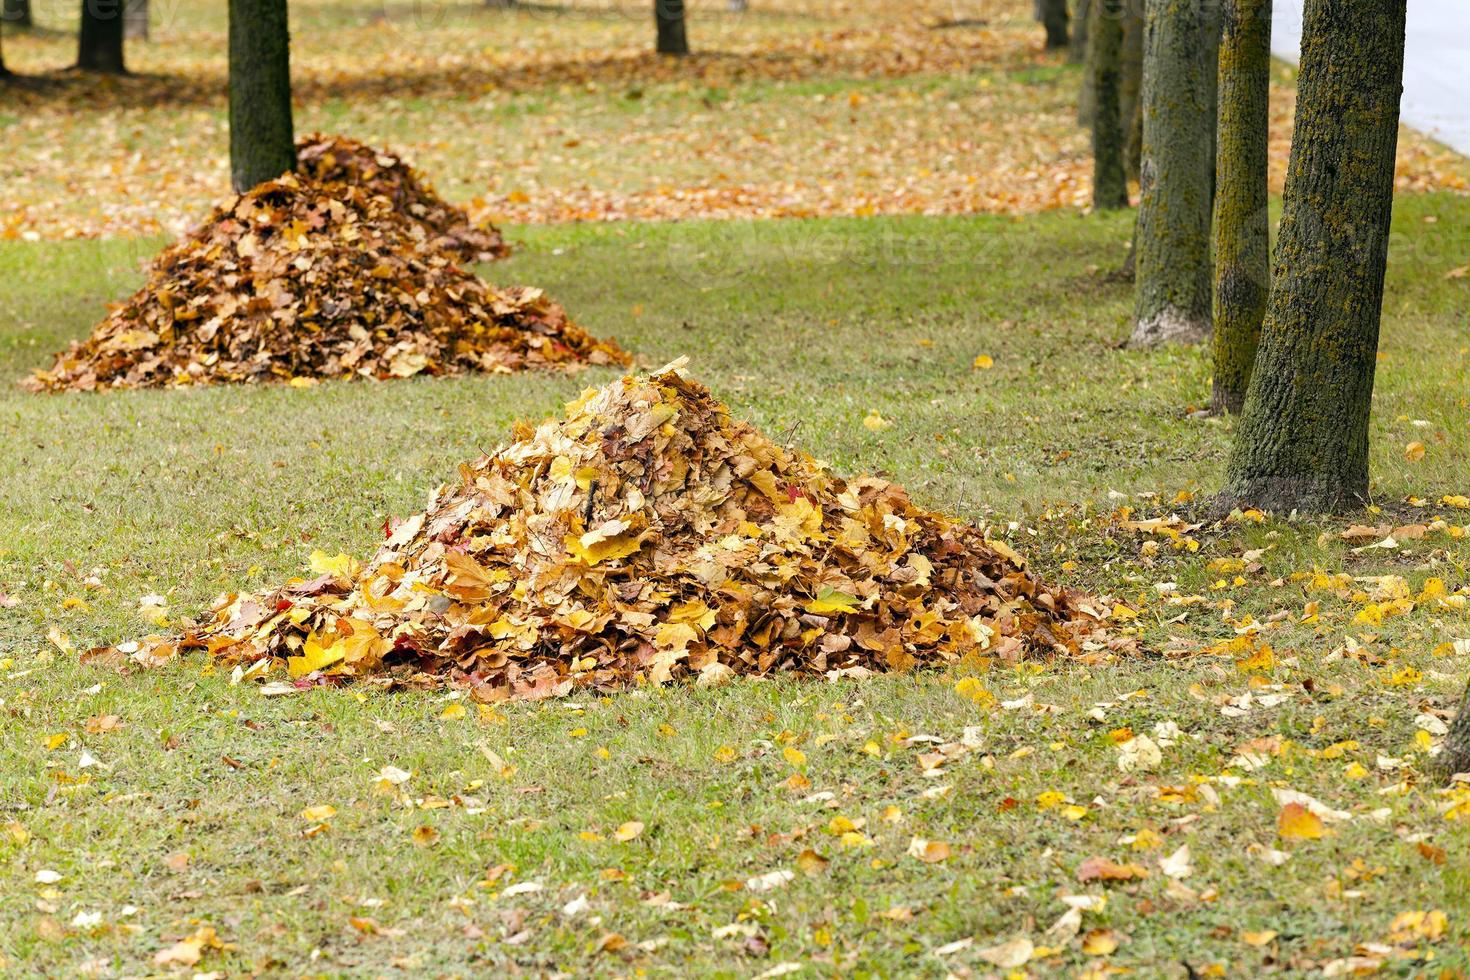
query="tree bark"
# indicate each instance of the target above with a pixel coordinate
(100, 38)
(135, 20)
(1077, 49)
(262, 139)
(17, 14)
(1054, 19)
(1109, 183)
(1177, 173)
(1242, 222)
(1454, 755)
(668, 15)
(1302, 442)
(1130, 91)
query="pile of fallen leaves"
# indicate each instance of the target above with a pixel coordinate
(648, 537)
(302, 279)
(339, 160)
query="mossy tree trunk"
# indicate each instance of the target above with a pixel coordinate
(100, 38)
(1077, 49)
(1454, 755)
(1130, 92)
(1054, 19)
(1176, 175)
(262, 139)
(1302, 442)
(1242, 223)
(17, 14)
(1109, 184)
(668, 16)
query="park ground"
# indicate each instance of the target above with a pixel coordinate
(358, 833)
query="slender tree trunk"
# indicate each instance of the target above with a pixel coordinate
(1130, 91)
(17, 14)
(1077, 50)
(1054, 18)
(135, 20)
(1109, 184)
(1177, 173)
(668, 15)
(100, 39)
(1242, 223)
(1454, 755)
(262, 141)
(1302, 442)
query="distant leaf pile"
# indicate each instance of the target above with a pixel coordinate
(302, 279)
(650, 537)
(339, 160)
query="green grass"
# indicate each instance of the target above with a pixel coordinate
(803, 327)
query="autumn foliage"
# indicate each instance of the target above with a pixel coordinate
(339, 160)
(301, 278)
(649, 537)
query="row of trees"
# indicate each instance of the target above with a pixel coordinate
(1294, 347)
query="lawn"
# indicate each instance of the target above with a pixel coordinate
(144, 808)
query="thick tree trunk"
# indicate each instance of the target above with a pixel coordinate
(1242, 223)
(100, 39)
(1130, 92)
(1054, 18)
(1109, 183)
(1177, 173)
(1302, 443)
(17, 14)
(135, 20)
(668, 15)
(1454, 755)
(262, 140)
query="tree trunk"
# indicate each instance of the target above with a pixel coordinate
(1077, 50)
(1177, 173)
(262, 141)
(1130, 91)
(1454, 755)
(1302, 443)
(135, 20)
(668, 15)
(1054, 18)
(17, 14)
(100, 39)
(1109, 184)
(1242, 222)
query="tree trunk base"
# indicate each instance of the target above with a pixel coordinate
(1170, 326)
(1284, 496)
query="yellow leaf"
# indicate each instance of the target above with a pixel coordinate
(453, 712)
(324, 564)
(629, 830)
(928, 851)
(725, 754)
(316, 814)
(609, 541)
(830, 601)
(971, 689)
(874, 422)
(1258, 939)
(1296, 822)
(315, 657)
(424, 836)
(1414, 452)
(1100, 942)
(983, 362)
(794, 756)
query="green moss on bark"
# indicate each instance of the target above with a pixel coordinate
(1130, 90)
(1177, 172)
(262, 139)
(1242, 221)
(1454, 755)
(1077, 50)
(1302, 444)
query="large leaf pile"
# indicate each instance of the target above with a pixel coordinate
(648, 536)
(339, 160)
(302, 279)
